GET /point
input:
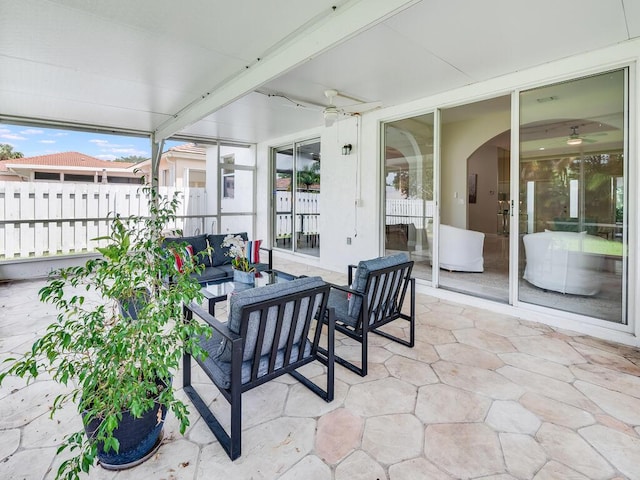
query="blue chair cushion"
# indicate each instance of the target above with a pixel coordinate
(221, 369)
(254, 295)
(339, 301)
(365, 267)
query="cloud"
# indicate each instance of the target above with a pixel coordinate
(59, 134)
(111, 151)
(32, 131)
(46, 141)
(12, 136)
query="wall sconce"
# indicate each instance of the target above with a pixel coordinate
(346, 149)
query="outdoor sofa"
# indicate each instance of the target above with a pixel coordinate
(217, 264)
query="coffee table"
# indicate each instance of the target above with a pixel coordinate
(219, 290)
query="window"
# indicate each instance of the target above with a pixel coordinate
(48, 176)
(72, 177)
(197, 178)
(228, 176)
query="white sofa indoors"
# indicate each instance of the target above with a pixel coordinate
(558, 261)
(460, 250)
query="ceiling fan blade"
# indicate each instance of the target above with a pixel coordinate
(303, 105)
(361, 107)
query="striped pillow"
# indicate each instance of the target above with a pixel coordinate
(182, 255)
(253, 251)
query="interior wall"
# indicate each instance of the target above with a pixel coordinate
(483, 214)
(459, 140)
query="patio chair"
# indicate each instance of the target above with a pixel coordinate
(271, 330)
(374, 299)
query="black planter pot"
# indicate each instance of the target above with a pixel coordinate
(139, 438)
(130, 307)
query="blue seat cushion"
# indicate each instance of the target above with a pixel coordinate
(221, 369)
(211, 273)
(339, 301)
(365, 267)
(254, 295)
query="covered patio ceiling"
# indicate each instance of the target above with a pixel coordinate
(253, 70)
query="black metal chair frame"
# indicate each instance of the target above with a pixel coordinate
(380, 312)
(231, 442)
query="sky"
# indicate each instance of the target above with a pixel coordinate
(36, 141)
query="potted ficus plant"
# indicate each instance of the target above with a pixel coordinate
(118, 340)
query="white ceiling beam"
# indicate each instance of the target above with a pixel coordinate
(339, 25)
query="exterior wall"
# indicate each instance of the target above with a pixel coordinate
(7, 177)
(345, 180)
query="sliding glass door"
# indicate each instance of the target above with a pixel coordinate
(475, 194)
(409, 200)
(296, 203)
(573, 203)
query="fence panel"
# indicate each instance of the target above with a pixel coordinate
(414, 211)
(40, 218)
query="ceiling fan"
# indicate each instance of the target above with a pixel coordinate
(332, 112)
(576, 139)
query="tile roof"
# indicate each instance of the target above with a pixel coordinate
(188, 148)
(65, 159)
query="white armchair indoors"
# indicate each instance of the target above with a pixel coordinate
(560, 262)
(461, 250)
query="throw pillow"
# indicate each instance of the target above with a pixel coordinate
(182, 256)
(253, 251)
(199, 244)
(220, 256)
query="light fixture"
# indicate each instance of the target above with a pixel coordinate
(574, 138)
(346, 149)
(330, 116)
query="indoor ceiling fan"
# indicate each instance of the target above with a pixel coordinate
(576, 139)
(331, 112)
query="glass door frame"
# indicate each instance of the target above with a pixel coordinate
(294, 146)
(632, 227)
(630, 267)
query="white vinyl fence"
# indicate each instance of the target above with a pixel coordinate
(307, 213)
(41, 218)
(414, 211)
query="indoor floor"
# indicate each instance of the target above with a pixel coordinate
(493, 284)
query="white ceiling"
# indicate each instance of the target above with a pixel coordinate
(162, 65)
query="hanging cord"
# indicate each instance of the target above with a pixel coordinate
(358, 181)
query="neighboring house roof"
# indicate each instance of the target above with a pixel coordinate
(191, 150)
(285, 183)
(65, 159)
(68, 163)
(188, 148)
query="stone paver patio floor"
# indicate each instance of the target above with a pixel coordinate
(481, 396)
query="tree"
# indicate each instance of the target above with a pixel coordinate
(309, 175)
(131, 159)
(409, 184)
(6, 152)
